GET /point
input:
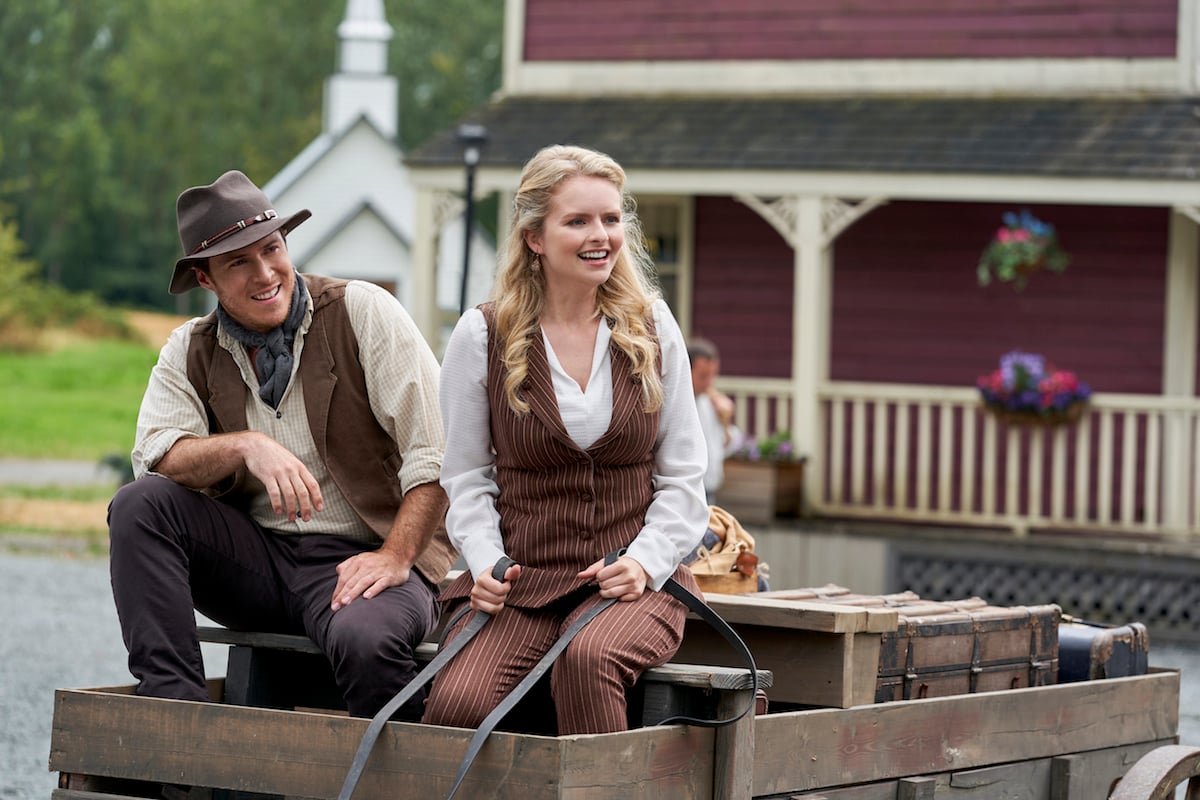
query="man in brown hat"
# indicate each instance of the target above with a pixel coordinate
(287, 456)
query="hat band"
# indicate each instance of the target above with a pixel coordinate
(235, 227)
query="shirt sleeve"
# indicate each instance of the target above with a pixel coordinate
(171, 410)
(678, 514)
(401, 373)
(468, 470)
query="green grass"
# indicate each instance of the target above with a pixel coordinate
(78, 402)
(70, 494)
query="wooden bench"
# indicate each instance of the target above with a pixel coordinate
(272, 670)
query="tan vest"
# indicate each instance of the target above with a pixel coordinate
(562, 507)
(344, 429)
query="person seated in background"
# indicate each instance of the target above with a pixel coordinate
(287, 456)
(721, 436)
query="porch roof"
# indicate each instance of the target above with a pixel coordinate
(1142, 140)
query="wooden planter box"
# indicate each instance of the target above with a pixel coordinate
(756, 492)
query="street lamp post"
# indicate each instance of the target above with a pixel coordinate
(472, 138)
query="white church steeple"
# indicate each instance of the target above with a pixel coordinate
(361, 85)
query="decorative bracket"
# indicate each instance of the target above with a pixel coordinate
(447, 206)
(782, 213)
(837, 215)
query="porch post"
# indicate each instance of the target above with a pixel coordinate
(423, 308)
(1179, 365)
(810, 339)
(1187, 47)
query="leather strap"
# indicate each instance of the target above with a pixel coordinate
(701, 609)
(532, 677)
(672, 587)
(423, 677)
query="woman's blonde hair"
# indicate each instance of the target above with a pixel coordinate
(625, 299)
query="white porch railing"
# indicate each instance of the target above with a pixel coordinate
(931, 454)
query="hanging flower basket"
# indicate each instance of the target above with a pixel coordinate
(1025, 390)
(1046, 419)
(1021, 247)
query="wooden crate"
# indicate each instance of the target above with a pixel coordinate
(820, 654)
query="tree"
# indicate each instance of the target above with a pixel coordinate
(112, 107)
(445, 67)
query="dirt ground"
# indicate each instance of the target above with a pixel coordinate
(56, 515)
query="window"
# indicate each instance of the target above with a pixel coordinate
(666, 224)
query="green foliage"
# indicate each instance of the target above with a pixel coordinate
(29, 306)
(16, 275)
(445, 66)
(776, 447)
(112, 107)
(78, 402)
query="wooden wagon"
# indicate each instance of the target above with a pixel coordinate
(827, 740)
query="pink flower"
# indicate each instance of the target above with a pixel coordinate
(1021, 235)
(1003, 235)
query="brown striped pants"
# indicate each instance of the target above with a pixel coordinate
(589, 679)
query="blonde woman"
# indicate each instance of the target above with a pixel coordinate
(571, 433)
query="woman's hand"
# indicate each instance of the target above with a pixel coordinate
(624, 579)
(489, 594)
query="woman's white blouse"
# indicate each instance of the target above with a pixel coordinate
(678, 514)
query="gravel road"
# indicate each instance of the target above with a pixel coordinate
(60, 631)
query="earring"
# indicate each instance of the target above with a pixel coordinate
(536, 264)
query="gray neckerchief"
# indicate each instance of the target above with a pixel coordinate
(273, 349)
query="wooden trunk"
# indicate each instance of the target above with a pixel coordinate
(951, 651)
(756, 492)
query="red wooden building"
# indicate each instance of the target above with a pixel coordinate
(819, 179)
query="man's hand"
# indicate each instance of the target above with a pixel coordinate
(723, 405)
(624, 579)
(203, 461)
(489, 594)
(292, 488)
(366, 575)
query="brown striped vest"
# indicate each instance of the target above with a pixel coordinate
(562, 507)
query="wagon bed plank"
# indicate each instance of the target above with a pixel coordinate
(280, 752)
(949, 734)
(1038, 779)
(307, 754)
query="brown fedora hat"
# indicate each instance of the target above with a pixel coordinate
(224, 216)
